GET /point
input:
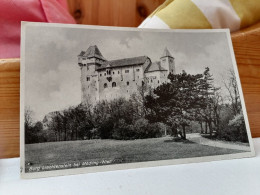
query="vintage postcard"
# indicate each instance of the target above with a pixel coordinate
(105, 98)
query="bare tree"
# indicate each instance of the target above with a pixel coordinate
(231, 86)
(139, 98)
(28, 121)
(217, 101)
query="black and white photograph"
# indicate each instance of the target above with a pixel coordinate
(108, 98)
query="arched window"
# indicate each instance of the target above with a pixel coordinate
(114, 84)
(127, 83)
(105, 85)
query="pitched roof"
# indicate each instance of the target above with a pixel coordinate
(91, 52)
(166, 53)
(124, 62)
(155, 66)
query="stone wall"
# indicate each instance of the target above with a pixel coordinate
(122, 82)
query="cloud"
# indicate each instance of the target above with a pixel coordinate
(53, 90)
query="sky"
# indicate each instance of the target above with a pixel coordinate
(52, 74)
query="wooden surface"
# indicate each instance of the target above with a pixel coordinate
(9, 107)
(126, 13)
(246, 45)
(129, 13)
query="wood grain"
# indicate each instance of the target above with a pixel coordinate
(9, 107)
(126, 13)
(246, 45)
(129, 13)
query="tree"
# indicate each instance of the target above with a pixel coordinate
(28, 121)
(30, 135)
(139, 99)
(175, 102)
(207, 92)
(54, 122)
(231, 86)
(217, 101)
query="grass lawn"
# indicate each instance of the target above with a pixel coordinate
(114, 151)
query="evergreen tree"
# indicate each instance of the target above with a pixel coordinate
(175, 102)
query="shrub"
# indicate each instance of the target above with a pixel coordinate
(237, 129)
(141, 128)
(106, 129)
(123, 131)
(156, 129)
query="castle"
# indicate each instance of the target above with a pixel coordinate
(102, 79)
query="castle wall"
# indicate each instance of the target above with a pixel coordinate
(164, 76)
(127, 80)
(156, 78)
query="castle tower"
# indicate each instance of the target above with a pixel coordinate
(167, 61)
(89, 61)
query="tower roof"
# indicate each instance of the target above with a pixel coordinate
(166, 53)
(92, 52)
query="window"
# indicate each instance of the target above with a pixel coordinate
(137, 70)
(88, 78)
(113, 72)
(105, 74)
(83, 58)
(108, 72)
(164, 60)
(151, 80)
(126, 71)
(118, 72)
(158, 81)
(127, 83)
(105, 85)
(138, 77)
(101, 75)
(87, 68)
(114, 84)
